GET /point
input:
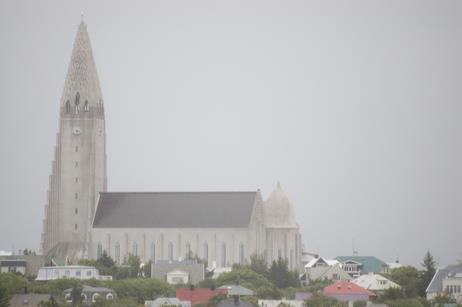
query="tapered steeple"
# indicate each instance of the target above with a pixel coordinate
(79, 166)
(82, 76)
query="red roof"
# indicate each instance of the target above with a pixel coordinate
(346, 287)
(198, 295)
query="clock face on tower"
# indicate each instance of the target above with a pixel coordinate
(76, 130)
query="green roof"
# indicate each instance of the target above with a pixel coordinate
(237, 290)
(369, 263)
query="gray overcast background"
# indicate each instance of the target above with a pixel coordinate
(354, 106)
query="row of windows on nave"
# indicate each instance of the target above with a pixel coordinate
(170, 252)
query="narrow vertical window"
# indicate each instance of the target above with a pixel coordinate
(279, 253)
(99, 251)
(77, 103)
(86, 108)
(76, 148)
(241, 254)
(76, 179)
(170, 251)
(76, 211)
(135, 249)
(68, 106)
(291, 259)
(76, 164)
(153, 252)
(76, 196)
(117, 253)
(223, 255)
(75, 226)
(188, 251)
(205, 256)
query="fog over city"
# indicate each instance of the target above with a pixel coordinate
(355, 108)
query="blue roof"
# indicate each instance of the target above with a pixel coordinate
(369, 263)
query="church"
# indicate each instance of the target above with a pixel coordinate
(82, 219)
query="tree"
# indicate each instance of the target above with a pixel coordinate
(258, 264)
(216, 299)
(280, 275)
(407, 277)
(391, 294)
(318, 300)
(4, 297)
(428, 273)
(13, 283)
(245, 277)
(76, 295)
(134, 263)
(146, 269)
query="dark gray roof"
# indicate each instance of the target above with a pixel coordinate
(174, 209)
(436, 285)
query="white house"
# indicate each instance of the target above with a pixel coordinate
(375, 282)
(69, 271)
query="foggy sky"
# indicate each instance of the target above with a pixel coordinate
(354, 106)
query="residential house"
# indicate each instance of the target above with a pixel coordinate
(178, 272)
(198, 295)
(283, 302)
(90, 294)
(167, 301)
(358, 265)
(347, 291)
(375, 282)
(447, 280)
(70, 271)
(334, 272)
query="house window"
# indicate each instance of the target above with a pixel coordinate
(76, 211)
(86, 108)
(205, 255)
(89, 273)
(76, 196)
(99, 251)
(75, 226)
(78, 273)
(153, 252)
(117, 252)
(241, 254)
(76, 179)
(188, 251)
(76, 164)
(223, 255)
(135, 249)
(170, 251)
(109, 296)
(67, 273)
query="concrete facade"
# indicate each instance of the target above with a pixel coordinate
(79, 166)
(79, 175)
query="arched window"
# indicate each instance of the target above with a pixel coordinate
(135, 249)
(205, 256)
(223, 255)
(95, 296)
(241, 254)
(86, 107)
(68, 106)
(291, 259)
(279, 253)
(188, 251)
(117, 252)
(153, 252)
(77, 102)
(109, 296)
(99, 251)
(170, 251)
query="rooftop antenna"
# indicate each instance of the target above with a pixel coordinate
(355, 252)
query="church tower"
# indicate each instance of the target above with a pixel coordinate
(79, 166)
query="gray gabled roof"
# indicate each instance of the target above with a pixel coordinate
(436, 284)
(174, 209)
